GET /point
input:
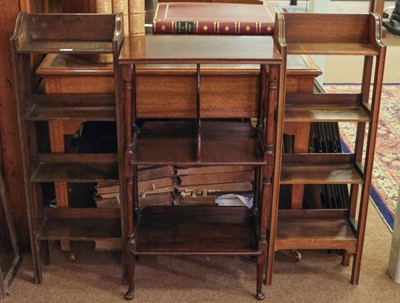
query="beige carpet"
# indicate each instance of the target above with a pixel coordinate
(318, 277)
(348, 69)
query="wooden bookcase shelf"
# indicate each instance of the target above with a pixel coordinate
(326, 48)
(62, 46)
(78, 224)
(176, 142)
(326, 108)
(315, 229)
(95, 107)
(76, 168)
(329, 34)
(35, 35)
(41, 33)
(320, 169)
(197, 230)
(188, 137)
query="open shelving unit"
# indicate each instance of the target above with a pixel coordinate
(198, 135)
(329, 34)
(72, 34)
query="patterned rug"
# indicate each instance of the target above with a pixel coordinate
(386, 173)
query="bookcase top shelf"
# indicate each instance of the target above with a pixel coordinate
(347, 34)
(349, 48)
(198, 49)
(84, 33)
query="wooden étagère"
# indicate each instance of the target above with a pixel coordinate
(191, 138)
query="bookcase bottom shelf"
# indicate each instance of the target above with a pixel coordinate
(196, 230)
(315, 229)
(86, 224)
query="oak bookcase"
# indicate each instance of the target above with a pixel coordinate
(80, 34)
(197, 134)
(329, 34)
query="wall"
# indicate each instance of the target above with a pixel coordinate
(9, 140)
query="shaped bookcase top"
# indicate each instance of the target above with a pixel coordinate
(67, 33)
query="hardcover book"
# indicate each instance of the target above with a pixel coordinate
(233, 177)
(213, 18)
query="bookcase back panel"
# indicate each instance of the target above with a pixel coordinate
(342, 27)
(69, 27)
(232, 96)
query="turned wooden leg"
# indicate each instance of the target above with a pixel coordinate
(346, 259)
(130, 262)
(260, 275)
(129, 294)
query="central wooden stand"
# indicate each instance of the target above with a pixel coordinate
(209, 134)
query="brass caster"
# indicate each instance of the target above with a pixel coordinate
(129, 294)
(260, 296)
(295, 255)
(70, 256)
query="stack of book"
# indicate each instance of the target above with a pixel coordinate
(133, 11)
(201, 185)
(155, 184)
(155, 188)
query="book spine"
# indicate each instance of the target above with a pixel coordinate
(213, 27)
(136, 17)
(122, 6)
(103, 6)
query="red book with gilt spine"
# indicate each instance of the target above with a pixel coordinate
(213, 18)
